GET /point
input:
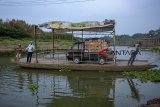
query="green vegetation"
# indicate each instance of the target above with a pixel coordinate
(153, 76)
(15, 29)
(10, 43)
(33, 86)
(66, 69)
(156, 48)
(13, 32)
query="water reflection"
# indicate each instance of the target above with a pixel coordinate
(134, 90)
(72, 89)
(90, 89)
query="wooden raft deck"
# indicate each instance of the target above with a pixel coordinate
(62, 64)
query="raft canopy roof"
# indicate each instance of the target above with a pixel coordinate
(92, 26)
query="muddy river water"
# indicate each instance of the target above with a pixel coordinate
(74, 89)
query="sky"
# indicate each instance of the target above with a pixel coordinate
(131, 16)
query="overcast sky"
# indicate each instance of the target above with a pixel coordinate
(131, 16)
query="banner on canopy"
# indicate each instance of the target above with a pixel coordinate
(81, 25)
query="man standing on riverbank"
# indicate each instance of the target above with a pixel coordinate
(134, 53)
(30, 49)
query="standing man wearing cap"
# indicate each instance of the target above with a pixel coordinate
(30, 49)
(136, 49)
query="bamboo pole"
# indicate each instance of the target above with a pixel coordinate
(53, 41)
(72, 36)
(82, 35)
(114, 44)
(35, 41)
(82, 49)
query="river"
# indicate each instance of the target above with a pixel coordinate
(74, 89)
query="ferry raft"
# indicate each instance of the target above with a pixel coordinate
(121, 65)
(107, 27)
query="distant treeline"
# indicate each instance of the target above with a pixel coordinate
(15, 29)
(129, 39)
(20, 29)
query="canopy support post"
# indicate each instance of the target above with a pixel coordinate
(72, 36)
(82, 35)
(114, 44)
(35, 41)
(53, 42)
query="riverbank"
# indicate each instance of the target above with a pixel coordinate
(6, 52)
(8, 45)
(156, 48)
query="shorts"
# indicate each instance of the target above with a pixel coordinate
(18, 55)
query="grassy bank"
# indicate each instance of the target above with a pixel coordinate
(155, 48)
(8, 45)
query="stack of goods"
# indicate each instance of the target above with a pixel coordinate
(95, 45)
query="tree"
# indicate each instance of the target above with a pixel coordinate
(16, 29)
